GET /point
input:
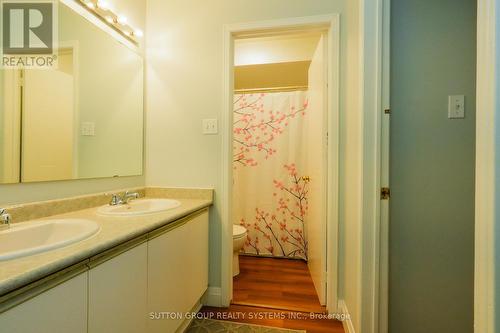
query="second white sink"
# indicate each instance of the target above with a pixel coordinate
(40, 236)
(139, 207)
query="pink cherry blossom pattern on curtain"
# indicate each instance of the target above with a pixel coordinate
(255, 128)
(283, 230)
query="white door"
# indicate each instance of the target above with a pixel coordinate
(10, 125)
(48, 125)
(316, 148)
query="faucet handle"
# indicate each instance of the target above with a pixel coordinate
(115, 199)
(5, 218)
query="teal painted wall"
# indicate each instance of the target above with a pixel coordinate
(433, 55)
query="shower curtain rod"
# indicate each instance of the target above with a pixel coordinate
(273, 89)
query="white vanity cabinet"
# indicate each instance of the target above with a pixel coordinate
(177, 271)
(62, 308)
(164, 271)
(117, 293)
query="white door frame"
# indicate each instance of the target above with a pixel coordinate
(383, 302)
(375, 99)
(487, 173)
(330, 22)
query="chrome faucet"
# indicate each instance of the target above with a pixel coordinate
(5, 217)
(116, 199)
(129, 196)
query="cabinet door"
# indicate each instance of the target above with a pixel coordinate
(198, 259)
(177, 272)
(118, 293)
(168, 267)
(60, 309)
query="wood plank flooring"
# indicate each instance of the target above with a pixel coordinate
(275, 283)
(277, 293)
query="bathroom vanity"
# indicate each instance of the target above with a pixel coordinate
(125, 278)
(94, 263)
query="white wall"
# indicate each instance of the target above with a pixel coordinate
(184, 80)
(16, 193)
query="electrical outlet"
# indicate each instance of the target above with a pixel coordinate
(210, 126)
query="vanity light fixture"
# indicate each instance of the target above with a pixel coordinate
(102, 10)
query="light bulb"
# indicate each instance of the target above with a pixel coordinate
(90, 5)
(103, 5)
(122, 19)
(138, 33)
(110, 19)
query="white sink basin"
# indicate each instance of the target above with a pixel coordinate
(139, 207)
(31, 238)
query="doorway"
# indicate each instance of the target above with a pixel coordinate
(279, 171)
(280, 177)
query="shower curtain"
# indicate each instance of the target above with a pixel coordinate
(270, 190)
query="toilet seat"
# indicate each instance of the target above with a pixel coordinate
(239, 231)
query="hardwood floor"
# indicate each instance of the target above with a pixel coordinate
(274, 318)
(276, 293)
(275, 283)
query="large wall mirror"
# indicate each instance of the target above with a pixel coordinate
(81, 120)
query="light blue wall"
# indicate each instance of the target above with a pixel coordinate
(432, 167)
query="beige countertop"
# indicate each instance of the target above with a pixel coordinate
(16, 273)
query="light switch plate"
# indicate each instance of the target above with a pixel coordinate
(88, 129)
(456, 106)
(210, 126)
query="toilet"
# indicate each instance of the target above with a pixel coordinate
(239, 239)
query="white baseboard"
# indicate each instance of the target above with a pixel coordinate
(347, 323)
(213, 297)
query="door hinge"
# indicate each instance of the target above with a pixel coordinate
(385, 193)
(387, 111)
